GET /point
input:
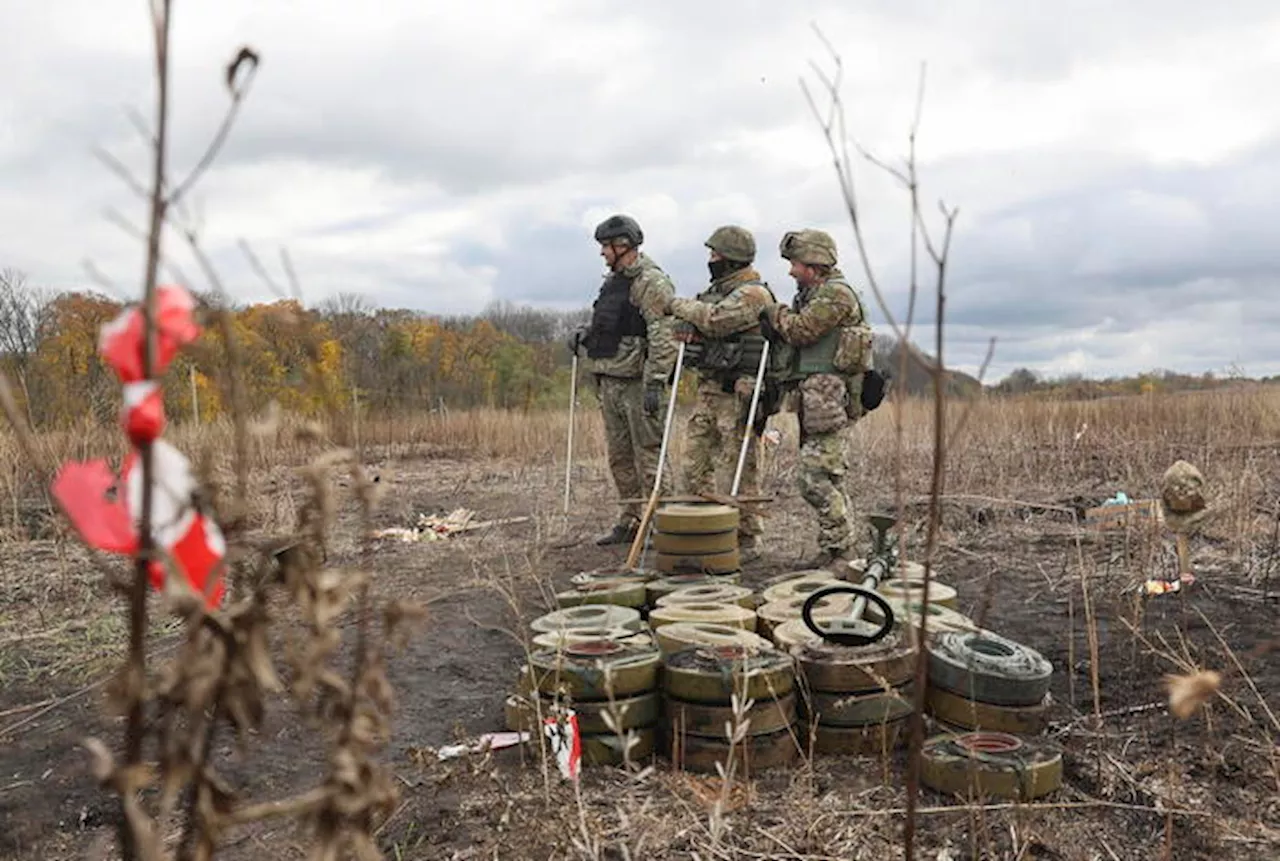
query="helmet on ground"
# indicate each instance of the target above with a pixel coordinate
(620, 227)
(733, 243)
(811, 247)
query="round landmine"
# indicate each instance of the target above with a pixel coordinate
(775, 613)
(695, 518)
(607, 748)
(704, 563)
(791, 633)
(678, 544)
(886, 663)
(589, 616)
(910, 570)
(799, 587)
(682, 635)
(613, 575)
(989, 668)
(621, 594)
(711, 613)
(912, 591)
(958, 711)
(854, 710)
(940, 618)
(708, 720)
(595, 670)
(870, 740)
(569, 636)
(715, 674)
(794, 575)
(716, 593)
(751, 754)
(655, 590)
(641, 710)
(994, 764)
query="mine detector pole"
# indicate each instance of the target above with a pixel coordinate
(573, 405)
(642, 532)
(751, 419)
(851, 630)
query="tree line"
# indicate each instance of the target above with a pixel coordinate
(341, 354)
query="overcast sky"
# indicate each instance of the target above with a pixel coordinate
(1116, 165)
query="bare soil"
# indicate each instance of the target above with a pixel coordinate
(1138, 782)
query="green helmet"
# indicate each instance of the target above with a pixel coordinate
(812, 247)
(620, 227)
(733, 243)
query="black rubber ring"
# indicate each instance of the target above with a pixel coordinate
(806, 613)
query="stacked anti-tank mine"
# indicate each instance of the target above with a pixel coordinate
(600, 661)
(728, 695)
(987, 695)
(597, 654)
(696, 538)
(858, 697)
(597, 657)
(687, 652)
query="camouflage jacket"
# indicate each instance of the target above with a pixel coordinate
(731, 306)
(653, 357)
(817, 310)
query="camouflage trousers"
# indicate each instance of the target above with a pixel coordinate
(713, 439)
(633, 441)
(823, 463)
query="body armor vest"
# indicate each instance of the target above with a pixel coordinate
(613, 317)
(734, 355)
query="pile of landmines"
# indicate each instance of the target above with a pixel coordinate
(709, 672)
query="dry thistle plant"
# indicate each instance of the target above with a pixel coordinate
(174, 801)
(1187, 693)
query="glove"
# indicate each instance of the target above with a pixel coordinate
(685, 331)
(767, 329)
(576, 339)
(652, 398)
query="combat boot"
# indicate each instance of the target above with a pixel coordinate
(621, 533)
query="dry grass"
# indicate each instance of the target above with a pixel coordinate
(1010, 456)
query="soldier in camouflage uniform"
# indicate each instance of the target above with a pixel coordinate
(722, 328)
(826, 333)
(630, 350)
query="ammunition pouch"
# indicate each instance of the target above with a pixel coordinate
(874, 385)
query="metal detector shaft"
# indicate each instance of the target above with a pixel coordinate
(874, 574)
(751, 418)
(642, 533)
(573, 404)
(845, 630)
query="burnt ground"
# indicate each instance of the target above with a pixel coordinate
(1137, 782)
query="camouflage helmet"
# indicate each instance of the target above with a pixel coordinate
(620, 227)
(733, 243)
(811, 247)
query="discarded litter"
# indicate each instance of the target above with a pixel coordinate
(434, 527)
(488, 741)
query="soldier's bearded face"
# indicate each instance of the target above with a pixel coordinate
(802, 273)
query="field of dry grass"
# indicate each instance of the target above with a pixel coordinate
(1139, 783)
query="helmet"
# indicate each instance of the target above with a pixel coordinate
(812, 247)
(619, 227)
(733, 243)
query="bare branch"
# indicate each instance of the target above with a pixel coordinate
(244, 57)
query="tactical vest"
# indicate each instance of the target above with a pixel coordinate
(820, 356)
(614, 317)
(731, 356)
